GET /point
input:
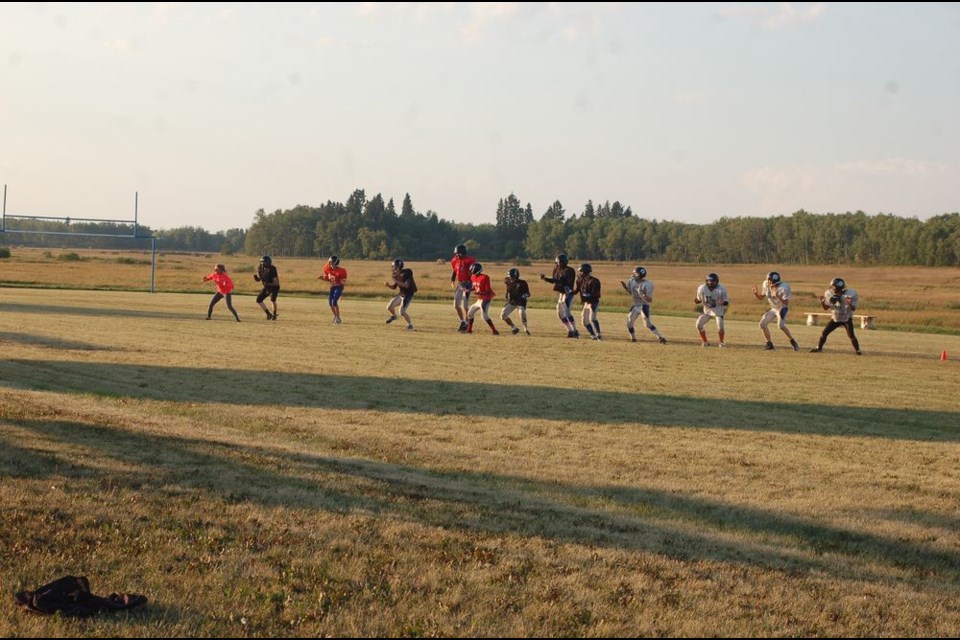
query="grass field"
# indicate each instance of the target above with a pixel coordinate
(295, 478)
(904, 298)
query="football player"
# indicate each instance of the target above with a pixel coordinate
(518, 292)
(641, 290)
(407, 286)
(563, 280)
(460, 280)
(337, 277)
(714, 300)
(841, 302)
(777, 293)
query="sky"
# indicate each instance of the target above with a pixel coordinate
(686, 112)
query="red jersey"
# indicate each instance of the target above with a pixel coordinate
(224, 282)
(481, 286)
(336, 275)
(461, 268)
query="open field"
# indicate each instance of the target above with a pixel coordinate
(915, 298)
(294, 478)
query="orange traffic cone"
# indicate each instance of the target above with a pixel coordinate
(943, 356)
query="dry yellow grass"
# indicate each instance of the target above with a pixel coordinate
(294, 478)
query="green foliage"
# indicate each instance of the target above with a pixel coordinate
(69, 257)
(4, 252)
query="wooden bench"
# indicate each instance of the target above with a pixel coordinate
(866, 322)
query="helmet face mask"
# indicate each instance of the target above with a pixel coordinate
(773, 278)
(562, 259)
(513, 274)
(640, 273)
(476, 268)
(460, 250)
(712, 281)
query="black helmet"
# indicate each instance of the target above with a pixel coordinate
(585, 269)
(773, 277)
(838, 285)
(562, 259)
(712, 280)
(334, 261)
(513, 274)
(460, 249)
(476, 268)
(397, 264)
(266, 260)
(640, 272)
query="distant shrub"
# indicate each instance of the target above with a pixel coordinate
(4, 252)
(69, 257)
(126, 260)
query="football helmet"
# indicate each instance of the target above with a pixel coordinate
(334, 261)
(585, 269)
(712, 281)
(513, 274)
(266, 260)
(460, 250)
(562, 259)
(640, 272)
(773, 277)
(476, 268)
(838, 286)
(397, 264)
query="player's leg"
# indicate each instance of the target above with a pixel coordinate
(702, 321)
(260, 298)
(645, 313)
(216, 298)
(782, 323)
(407, 299)
(848, 325)
(229, 298)
(765, 321)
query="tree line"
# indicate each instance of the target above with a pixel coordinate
(373, 228)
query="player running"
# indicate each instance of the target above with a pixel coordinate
(713, 296)
(402, 280)
(481, 286)
(641, 290)
(589, 289)
(460, 280)
(337, 277)
(267, 276)
(777, 293)
(518, 292)
(224, 288)
(563, 280)
(841, 302)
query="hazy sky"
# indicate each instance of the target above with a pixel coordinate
(683, 112)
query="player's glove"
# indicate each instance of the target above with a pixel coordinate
(256, 277)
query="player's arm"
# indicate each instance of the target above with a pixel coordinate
(756, 293)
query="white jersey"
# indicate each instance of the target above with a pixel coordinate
(713, 300)
(779, 296)
(841, 309)
(640, 290)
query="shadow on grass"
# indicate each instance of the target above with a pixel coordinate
(438, 397)
(617, 517)
(106, 312)
(56, 343)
